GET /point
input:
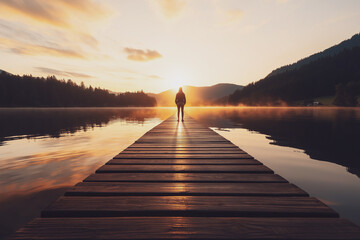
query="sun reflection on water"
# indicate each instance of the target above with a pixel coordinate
(37, 163)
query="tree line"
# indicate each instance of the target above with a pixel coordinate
(337, 75)
(354, 41)
(29, 91)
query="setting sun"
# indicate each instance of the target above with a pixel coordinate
(176, 82)
(178, 78)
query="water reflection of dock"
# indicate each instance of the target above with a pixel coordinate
(184, 181)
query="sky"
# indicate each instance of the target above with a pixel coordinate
(154, 45)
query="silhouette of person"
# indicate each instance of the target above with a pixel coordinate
(180, 101)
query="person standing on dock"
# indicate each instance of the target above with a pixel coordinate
(180, 101)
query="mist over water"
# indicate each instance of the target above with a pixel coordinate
(44, 151)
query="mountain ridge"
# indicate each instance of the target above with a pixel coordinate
(195, 95)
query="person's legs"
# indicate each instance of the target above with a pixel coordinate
(182, 113)
(178, 108)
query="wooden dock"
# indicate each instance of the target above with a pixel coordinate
(185, 181)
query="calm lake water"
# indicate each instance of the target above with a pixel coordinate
(44, 151)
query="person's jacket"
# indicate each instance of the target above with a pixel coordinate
(180, 98)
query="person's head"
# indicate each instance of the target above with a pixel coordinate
(180, 89)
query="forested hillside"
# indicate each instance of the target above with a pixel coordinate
(354, 41)
(337, 75)
(29, 91)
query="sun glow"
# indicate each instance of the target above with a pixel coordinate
(178, 78)
(177, 82)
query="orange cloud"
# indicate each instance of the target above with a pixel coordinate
(38, 50)
(154, 77)
(62, 73)
(234, 15)
(141, 55)
(37, 10)
(171, 8)
(66, 22)
(58, 13)
(88, 39)
(86, 6)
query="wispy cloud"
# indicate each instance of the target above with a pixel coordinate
(60, 13)
(129, 78)
(38, 50)
(171, 8)
(14, 30)
(42, 11)
(154, 77)
(62, 73)
(233, 15)
(88, 39)
(127, 73)
(141, 55)
(20, 32)
(141, 76)
(58, 28)
(227, 15)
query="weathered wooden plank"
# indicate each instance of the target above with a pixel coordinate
(181, 152)
(184, 138)
(185, 177)
(184, 169)
(184, 156)
(216, 206)
(182, 149)
(187, 146)
(181, 189)
(203, 144)
(186, 161)
(172, 134)
(189, 228)
(180, 127)
(192, 135)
